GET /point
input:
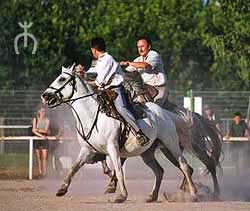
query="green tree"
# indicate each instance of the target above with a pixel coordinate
(202, 46)
(228, 36)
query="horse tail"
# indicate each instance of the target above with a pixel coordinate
(206, 142)
(187, 117)
(206, 139)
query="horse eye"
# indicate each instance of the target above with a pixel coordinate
(62, 79)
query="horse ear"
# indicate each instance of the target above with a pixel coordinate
(64, 69)
(72, 67)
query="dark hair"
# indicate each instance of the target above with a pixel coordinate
(98, 43)
(145, 38)
(237, 114)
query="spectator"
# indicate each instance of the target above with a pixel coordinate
(238, 151)
(238, 128)
(40, 128)
(210, 115)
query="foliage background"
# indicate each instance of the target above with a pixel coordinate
(204, 44)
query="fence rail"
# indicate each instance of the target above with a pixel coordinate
(53, 138)
(31, 140)
(15, 126)
(23, 103)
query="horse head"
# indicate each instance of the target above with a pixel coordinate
(62, 88)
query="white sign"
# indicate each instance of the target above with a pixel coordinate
(25, 36)
(197, 104)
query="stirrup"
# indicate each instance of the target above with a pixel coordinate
(141, 139)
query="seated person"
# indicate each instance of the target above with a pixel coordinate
(238, 128)
(239, 151)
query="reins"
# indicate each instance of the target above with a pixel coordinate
(69, 102)
(58, 91)
(81, 133)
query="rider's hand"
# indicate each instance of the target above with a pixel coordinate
(80, 70)
(101, 87)
(124, 63)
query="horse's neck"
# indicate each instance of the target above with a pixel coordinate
(85, 107)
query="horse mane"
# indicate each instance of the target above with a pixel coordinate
(86, 86)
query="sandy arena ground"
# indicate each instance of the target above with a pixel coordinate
(87, 193)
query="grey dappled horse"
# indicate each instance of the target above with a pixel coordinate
(102, 140)
(206, 140)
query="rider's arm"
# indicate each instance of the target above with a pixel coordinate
(150, 64)
(105, 69)
(139, 65)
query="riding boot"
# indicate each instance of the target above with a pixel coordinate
(142, 139)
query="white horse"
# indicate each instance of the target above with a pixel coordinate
(103, 133)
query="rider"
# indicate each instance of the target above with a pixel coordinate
(149, 65)
(109, 74)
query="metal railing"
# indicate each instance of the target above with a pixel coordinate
(31, 140)
(53, 138)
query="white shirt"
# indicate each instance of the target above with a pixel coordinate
(108, 71)
(154, 76)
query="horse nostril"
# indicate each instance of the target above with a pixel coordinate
(47, 96)
(44, 95)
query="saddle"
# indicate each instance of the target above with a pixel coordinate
(133, 83)
(106, 99)
(150, 93)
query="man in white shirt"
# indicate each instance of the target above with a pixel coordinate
(150, 65)
(109, 75)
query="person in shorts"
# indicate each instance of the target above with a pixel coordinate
(40, 128)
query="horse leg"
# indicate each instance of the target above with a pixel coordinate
(209, 163)
(106, 169)
(64, 187)
(149, 159)
(111, 187)
(185, 169)
(174, 161)
(80, 161)
(115, 158)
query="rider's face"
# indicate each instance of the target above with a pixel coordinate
(143, 47)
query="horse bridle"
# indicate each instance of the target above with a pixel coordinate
(70, 101)
(59, 95)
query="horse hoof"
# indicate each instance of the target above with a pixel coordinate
(61, 192)
(151, 199)
(110, 190)
(120, 199)
(194, 198)
(215, 196)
